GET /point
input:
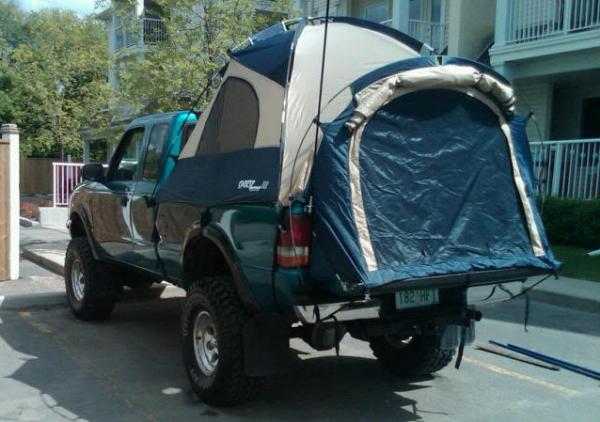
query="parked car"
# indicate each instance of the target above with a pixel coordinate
(371, 218)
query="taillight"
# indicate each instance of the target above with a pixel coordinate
(293, 242)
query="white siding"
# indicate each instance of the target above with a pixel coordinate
(536, 98)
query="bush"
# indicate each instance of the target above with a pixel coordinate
(572, 222)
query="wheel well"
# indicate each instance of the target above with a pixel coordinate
(77, 229)
(203, 258)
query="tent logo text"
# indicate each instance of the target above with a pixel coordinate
(252, 186)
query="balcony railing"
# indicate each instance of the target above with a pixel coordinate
(432, 33)
(530, 20)
(567, 169)
(145, 31)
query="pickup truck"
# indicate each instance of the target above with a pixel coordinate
(372, 216)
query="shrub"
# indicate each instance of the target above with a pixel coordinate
(572, 222)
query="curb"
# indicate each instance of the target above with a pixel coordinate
(20, 302)
(26, 222)
(565, 301)
(43, 262)
(53, 299)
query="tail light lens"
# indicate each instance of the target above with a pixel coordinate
(293, 243)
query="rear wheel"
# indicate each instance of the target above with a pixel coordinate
(411, 356)
(90, 284)
(213, 349)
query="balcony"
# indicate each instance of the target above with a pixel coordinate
(433, 34)
(533, 20)
(543, 38)
(142, 32)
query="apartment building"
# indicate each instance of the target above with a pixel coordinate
(447, 26)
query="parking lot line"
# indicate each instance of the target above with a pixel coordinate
(519, 376)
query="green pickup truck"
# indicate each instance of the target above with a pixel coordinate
(372, 216)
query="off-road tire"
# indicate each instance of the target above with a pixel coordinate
(100, 291)
(423, 355)
(228, 385)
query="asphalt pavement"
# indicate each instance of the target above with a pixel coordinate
(56, 368)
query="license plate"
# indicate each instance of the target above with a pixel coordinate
(412, 298)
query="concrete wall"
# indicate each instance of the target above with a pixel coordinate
(535, 97)
(471, 26)
(567, 109)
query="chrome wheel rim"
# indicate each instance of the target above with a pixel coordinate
(206, 346)
(77, 280)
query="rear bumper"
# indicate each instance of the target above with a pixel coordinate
(341, 311)
(310, 312)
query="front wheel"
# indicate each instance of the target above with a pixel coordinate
(412, 356)
(90, 284)
(213, 353)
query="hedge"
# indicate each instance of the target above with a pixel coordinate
(572, 222)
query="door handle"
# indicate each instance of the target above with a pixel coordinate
(124, 200)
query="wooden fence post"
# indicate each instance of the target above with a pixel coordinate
(9, 202)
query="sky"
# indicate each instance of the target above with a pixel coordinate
(81, 7)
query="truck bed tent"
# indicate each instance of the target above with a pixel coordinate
(256, 137)
(421, 167)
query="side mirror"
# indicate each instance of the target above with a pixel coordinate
(93, 172)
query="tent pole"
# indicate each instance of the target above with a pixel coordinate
(318, 118)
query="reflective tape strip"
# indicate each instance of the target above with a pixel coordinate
(358, 210)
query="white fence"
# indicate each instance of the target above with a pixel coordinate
(567, 169)
(529, 20)
(145, 31)
(65, 176)
(432, 33)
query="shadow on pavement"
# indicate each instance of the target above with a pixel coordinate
(130, 368)
(545, 316)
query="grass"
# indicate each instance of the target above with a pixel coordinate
(576, 262)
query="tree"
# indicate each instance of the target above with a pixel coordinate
(54, 74)
(199, 34)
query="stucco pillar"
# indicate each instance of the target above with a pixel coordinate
(471, 25)
(400, 12)
(9, 190)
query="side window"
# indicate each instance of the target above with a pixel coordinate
(128, 155)
(233, 120)
(156, 143)
(187, 132)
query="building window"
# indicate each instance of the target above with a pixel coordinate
(377, 12)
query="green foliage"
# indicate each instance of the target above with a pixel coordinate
(577, 263)
(573, 222)
(53, 75)
(199, 34)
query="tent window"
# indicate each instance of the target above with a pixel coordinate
(233, 120)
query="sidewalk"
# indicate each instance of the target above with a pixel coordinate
(46, 247)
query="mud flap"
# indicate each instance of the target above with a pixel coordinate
(266, 346)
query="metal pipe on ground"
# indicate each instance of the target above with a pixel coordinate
(551, 360)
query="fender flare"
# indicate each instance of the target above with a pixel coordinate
(218, 238)
(82, 214)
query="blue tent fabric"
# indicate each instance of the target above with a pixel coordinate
(437, 188)
(240, 176)
(268, 55)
